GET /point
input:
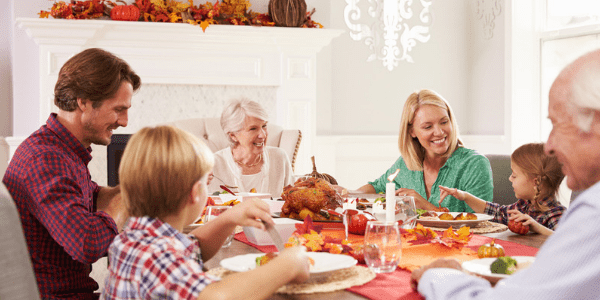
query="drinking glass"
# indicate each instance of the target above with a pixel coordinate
(383, 246)
(214, 211)
(406, 211)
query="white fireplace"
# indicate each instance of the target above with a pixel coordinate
(188, 73)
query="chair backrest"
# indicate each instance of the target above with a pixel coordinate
(209, 130)
(17, 280)
(503, 191)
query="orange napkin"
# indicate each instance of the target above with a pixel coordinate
(413, 257)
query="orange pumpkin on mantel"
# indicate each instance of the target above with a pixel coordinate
(125, 13)
(490, 250)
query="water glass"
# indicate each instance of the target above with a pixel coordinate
(214, 211)
(406, 211)
(383, 246)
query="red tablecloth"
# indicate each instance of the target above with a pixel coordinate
(396, 285)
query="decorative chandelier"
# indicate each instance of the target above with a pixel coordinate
(389, 36)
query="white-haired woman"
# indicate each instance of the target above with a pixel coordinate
(432, 154)
(249, 163)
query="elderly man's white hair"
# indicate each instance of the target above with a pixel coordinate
(585, 92)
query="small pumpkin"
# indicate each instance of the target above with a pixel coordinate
(518, 227)
(125, 13)
(490, 250)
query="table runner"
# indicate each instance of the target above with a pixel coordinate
(396, 285)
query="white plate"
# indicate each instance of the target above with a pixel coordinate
(481, 267)
(324, 262)
(222, 198)
(455, 224)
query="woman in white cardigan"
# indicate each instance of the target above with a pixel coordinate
(249, 163)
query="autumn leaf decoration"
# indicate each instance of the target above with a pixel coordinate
(450, 238)
(309, 235)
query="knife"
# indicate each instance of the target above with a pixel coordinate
(277, 241)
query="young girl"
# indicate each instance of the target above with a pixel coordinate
(535, 178)
(163, 175)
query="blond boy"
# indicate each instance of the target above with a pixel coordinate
(163, 176)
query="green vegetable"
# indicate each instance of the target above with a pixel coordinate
(382, 199)
(421, 211)
(504, 265)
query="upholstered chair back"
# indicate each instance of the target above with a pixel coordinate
(17, 279)
(503, 190)
(209, 130)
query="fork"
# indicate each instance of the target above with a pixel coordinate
(226, 185)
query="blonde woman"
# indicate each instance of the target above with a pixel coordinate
(249, 163)
(432, 154)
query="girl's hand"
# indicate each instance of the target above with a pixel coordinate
(527, 220)
(456, 193)
(250, 213)
(420, 202)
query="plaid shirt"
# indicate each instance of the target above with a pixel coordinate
(547, 218)
(152, 260)
(51, 185)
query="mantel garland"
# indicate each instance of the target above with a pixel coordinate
(230, 12)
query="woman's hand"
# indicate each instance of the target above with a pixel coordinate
(420, 202)
(439, 263)
(250, 213)
(456, 193)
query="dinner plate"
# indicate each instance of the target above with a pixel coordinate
(453, 223)
(481, 267)
(369, 197)
(324, 262)
(222, 198)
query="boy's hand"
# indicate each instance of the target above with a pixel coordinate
(250, 212)
(456, 193)
(298, 261)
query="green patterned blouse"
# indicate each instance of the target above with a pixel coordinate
(465, 170)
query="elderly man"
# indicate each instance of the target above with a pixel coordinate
(68, 220)
(568, 265)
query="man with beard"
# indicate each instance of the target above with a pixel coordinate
(69, 221)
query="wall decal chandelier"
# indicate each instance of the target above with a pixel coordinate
(390, 36)
(487, 11)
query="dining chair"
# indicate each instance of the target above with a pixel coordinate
(503, 191)
(210, 131)
(17, 280)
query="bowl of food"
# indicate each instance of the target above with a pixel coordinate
(284, 226)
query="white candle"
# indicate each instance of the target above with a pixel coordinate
(349, 204)
(390, 202)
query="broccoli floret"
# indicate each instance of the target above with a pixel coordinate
(504, 265)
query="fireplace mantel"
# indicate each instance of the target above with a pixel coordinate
(172, 54)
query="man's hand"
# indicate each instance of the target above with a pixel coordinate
(109, 201)
(439, 263)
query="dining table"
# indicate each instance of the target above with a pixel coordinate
(530, 242)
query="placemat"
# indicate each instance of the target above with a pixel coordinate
(483, 227)
(330, 282)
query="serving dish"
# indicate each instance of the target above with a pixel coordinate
(481, 267)
(454, 223)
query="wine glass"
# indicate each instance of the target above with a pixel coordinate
(406, 211)
(383, 246)
(212, 212)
